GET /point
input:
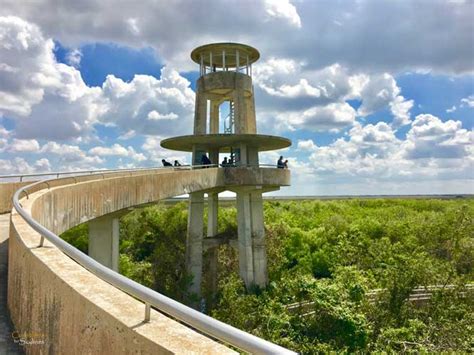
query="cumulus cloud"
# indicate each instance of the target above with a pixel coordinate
(50, 100)
(74, 58)
(148, 105)
(15, 166)
(24, 145)
(432, 150)
(283, 9)
(349, 33)
(400, 108)
(429, 137)
(71, 157)
(306, 145)
(301, 98)
(468, 101)
(117, 150)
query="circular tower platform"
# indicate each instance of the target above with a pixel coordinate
(224, 142)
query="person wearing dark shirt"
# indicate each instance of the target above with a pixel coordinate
(225, 163)
(176, 163)
(165, 163)
(205, 160)
(280, 163)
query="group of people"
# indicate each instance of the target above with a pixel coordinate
(167, 163)
(282, 164)
(227, 162)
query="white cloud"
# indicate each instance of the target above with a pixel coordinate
(74, 58)
(4, 133)
(24, 145)
(47, 99)
(42, 165)
(468, 101)
(117, 150)
(319, 118)
(429, 137)
(401, 111)
(146, 104)
(283, 9)
(155, 116)
(306, 145)
(433, 150)
(377, 93)
(408, 38)
(71, 156)
(127, 135)
(15, 166)
(452, 109)
(317, 100)
(50, 100)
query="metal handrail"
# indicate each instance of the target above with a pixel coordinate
(84, 172)
(208, 325)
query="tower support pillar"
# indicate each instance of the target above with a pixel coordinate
(104, 241)
(212, 228)
(194, 239)
(258, 239)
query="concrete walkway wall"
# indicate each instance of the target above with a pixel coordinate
(72, 310)
(7, 189)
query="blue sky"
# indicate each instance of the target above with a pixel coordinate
(371, 107)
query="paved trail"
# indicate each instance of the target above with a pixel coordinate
(7, 346)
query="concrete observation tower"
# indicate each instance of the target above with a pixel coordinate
(225, 84)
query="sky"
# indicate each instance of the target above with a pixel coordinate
(376, 96)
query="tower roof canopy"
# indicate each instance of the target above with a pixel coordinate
(230, 49)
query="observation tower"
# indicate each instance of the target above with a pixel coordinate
(225, 124)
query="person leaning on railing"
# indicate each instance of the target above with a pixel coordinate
(280, 163)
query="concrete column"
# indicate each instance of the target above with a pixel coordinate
(214, 118)
(200, 113)
(212, 213)
(244, 232)
(104, 241)
(239, 111)
(212, 227)
(251, 120)
(252, 154)
(258, 239)
(243, 154)
(194, 239)
(214, 155)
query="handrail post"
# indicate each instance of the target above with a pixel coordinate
(147, 312)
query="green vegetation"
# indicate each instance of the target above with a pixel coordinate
(331, 253)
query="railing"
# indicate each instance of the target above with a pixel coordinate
(90, 172)
(208, 325)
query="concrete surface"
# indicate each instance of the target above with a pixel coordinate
(71, 310)
(7, 345)
(66, 308)
(7, 189)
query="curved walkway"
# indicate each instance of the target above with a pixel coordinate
(75, 309)
(7, 345)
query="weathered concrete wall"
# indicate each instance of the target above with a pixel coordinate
(57, 301)
(7, 189)
(61, 308)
